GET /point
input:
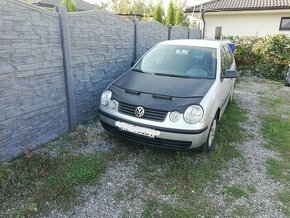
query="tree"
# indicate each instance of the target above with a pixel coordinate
(158, 13)
(170, 18)
(121, 6)
(186, 21)
(69, 4)
(180, 17)
(103, 5)
(140, 7)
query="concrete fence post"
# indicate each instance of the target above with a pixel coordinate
(169, 31)
(188, 33)
(135, 38)
(68, 76)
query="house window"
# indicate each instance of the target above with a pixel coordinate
(285, 23)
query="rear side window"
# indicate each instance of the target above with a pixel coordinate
(224, 61)
(227, 59)
(229, 56)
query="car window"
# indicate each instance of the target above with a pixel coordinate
(224, 61)
(158, 57)
(180, 60)
(229, 56)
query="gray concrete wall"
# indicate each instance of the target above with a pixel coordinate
(54, 66)
(194, 34)
(102, 47)
(179, 32)
(149, 33)
(32, 92)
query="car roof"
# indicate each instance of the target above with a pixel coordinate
(194, 42)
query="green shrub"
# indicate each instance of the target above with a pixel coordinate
(266, 57)
(69, 4)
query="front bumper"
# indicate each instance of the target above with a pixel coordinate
(169, 138)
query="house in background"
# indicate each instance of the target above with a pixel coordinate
(243, 17)
(49, 4)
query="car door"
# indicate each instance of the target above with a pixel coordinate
(226, 84)
(231, 66)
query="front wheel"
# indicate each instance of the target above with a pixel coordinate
(209, 145)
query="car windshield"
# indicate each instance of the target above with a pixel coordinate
(179, 61)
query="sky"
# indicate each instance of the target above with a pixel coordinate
(165, 2)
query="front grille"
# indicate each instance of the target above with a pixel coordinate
(156, 142)
(150, 114)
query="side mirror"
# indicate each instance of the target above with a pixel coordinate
(132, 64)
(230, 74)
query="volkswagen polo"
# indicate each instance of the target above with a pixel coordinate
(173, 97)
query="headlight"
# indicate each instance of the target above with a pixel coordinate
(174, 116)
(113, 104)
(106, 97)
(193, 114)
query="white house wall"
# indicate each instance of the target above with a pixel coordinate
(246, 23)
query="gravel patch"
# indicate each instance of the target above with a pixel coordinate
(103, 200)
(95, 140)
(121, 192)
(250, 170)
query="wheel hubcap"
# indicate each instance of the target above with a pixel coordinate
(212, 133)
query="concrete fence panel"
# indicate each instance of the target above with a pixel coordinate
(149, 33)
(179, 32)
(102, 47)
(54, 66)
(32, 91)
(194, 34)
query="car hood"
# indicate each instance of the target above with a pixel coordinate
(164, 85)
(159, 92)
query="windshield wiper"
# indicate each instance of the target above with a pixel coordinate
(174, 75)
(140, 71)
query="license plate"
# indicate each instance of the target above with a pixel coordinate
(137, 129)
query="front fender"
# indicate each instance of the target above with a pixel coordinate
(211, 103)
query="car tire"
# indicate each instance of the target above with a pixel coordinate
(209, 145)
(286, 83)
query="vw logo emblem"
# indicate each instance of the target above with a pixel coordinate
(139, 112)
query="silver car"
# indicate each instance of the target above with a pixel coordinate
(173, 97)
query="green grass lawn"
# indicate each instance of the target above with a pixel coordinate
(187, 179)
(239, 191)
(44, 180)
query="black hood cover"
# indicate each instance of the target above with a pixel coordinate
(159, 92)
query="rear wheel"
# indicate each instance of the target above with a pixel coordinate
(209, 145)
(286, 83)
